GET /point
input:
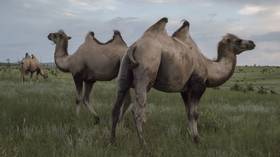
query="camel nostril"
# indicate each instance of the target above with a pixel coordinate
(49, 36)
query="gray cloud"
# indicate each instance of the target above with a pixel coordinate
(25, 25)
(268, 37)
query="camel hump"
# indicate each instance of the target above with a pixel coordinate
(181, 33)
(27, 55)
(117, 32)
(159, 26)
(89, 36)
(33, 56)
(118, 36)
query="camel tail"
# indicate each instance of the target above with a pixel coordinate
(130, 54)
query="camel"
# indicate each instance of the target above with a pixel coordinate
(93, 61)
(31, 64)
(171, 65)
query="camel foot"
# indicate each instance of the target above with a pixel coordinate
(97, 120)
(113, 140)
(196, 139)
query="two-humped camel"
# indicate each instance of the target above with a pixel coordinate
(173, 64)
(93, 61)
(31, 64)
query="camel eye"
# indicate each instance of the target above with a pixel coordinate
(238, 41)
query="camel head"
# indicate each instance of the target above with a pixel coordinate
(45, 74)
(58, 36)
(233, 44)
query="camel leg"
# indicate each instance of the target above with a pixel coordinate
(79, 89)
(22, 76)
(139, 108)
(121, 94)
(31, 75)
(37, 75)
(88, 88)
(191, 99)
(126, 104)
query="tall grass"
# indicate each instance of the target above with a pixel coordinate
(37, 118)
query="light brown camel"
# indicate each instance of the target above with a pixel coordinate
(31, 64)
(93, 61)
(170, 65)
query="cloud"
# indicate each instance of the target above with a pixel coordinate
(69, 14)
(160, 1)
(270, 37)
(25, 24)
(94, 5)
(251, 10)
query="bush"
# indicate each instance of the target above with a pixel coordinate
(236, 87)
(249, 87)
(262, 90)
(273, 92)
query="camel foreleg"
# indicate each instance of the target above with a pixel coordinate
(191, 99)
(79, 89)
(88, 88)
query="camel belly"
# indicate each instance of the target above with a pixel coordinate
(102, 72)
(173, 74)
(171, 83)
(172, 78)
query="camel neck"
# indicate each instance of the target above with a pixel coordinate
(61, 49)
(61, 56)
(221, 70)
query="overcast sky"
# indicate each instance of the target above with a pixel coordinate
(25, 24)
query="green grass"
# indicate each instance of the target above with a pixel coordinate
(37, 118)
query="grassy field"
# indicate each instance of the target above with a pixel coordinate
(238, 119)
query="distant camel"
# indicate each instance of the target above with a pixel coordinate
(171, 65)
(31, 64)
(93, 61)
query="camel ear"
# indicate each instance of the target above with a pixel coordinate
(69, 37)
(228, 40)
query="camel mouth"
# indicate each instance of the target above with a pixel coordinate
(49, 36)
(251, 46)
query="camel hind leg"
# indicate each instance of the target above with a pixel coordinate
(141, 89)
(88, 88)
(124, 84)
(123, 89)
(126, 104)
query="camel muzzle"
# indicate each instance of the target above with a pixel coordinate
(49, 36)
(251, 45)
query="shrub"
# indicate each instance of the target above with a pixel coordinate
(236, 87)
(262, 90)
(249, 87)
(273, 92)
